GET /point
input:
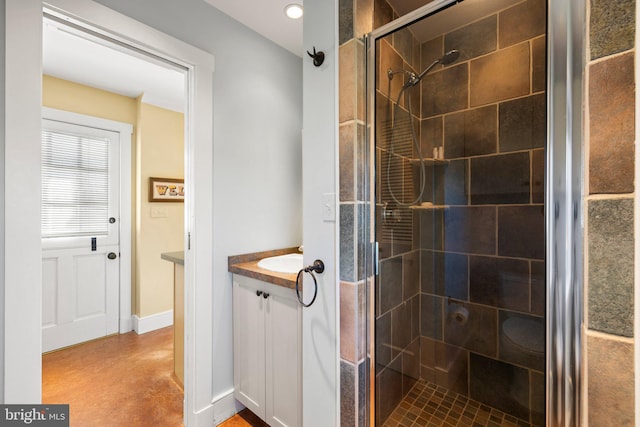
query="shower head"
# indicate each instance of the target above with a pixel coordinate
(446, 59)
(449, 57)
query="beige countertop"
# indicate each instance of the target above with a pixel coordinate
(176, 257)
(247, 265)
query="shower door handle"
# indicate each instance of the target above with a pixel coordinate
(376, 258)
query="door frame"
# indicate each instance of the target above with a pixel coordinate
(125, 130)
(564, 189)
(22, 372)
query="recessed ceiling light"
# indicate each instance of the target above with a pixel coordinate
(293, 11)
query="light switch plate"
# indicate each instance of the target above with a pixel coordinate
(329, 207)
(159, 212)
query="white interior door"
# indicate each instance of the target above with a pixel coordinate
(80, 233)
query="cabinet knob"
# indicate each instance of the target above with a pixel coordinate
(258, 293)
(265, 295)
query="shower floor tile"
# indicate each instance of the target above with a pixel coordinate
(429, 405)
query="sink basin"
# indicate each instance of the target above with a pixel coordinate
(289, 263)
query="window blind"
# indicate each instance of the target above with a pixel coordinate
(75, 185)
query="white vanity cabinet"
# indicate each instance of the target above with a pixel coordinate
(267, 351)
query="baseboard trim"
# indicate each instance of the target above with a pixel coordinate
(225, 406)
(126, 325)
(142, 325)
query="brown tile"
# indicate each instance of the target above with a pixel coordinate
(347, 158)
(612, 27)
(403, 43)
(363, 17)
(471, 326)
(347, 394)
(522, 22)
(445, 91)
(521, 231)
(470, 230)
(361, 96)
(538, 288)
(471, 132)
(431, 222)
(361, 319)
(389, 384)
(384, 120)
(497, 384)
(390, 284)
(431, 316)
(523, 123)
(347, 81)
(382, 13)
(538, 399)
(522, 340)
(362, 163)
(611, 129)
(430, 51)
(389, 59)
(453, 185)
(348, 321)
(401, 326)
(539, 64)
(451, 367)
(445, 274)
(411, 274)
(417, 54)
(502, 179)
(430, 135)
(499, 282)
(537, 173)
(384, 352)
(501, 75)
(611, 266)
(475, 39)
(410, 366)
(610, 382)
(345, 20)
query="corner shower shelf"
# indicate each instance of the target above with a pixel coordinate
(430, 161)
(426, 207)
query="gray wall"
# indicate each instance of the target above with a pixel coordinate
(257, 120)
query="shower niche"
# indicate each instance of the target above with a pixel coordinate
(459, 133)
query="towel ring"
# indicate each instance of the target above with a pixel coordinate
(318, 267)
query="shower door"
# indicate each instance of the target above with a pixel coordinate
(460, 137)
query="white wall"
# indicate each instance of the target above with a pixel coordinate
(257, 117)
(320, 333)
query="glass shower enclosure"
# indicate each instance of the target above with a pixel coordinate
(460, 136)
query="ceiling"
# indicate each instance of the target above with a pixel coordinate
(75, 56)
(72, 55)
(266, 17)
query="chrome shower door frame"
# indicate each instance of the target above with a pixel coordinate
(564, 182)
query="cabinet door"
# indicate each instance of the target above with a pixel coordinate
(283, 358)
(248, 344)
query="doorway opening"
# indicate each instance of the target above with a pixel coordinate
(101, 89)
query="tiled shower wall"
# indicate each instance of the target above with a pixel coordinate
(482, 260)
(609, 131)
(609, 211)
(397, 304)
